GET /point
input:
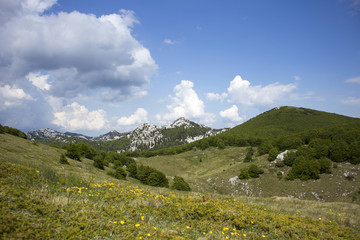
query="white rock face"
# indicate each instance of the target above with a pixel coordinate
(147, 134)
(45, 133)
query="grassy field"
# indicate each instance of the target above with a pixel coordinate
(42, 199)
(213, 171)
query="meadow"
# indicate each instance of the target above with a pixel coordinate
(43, 199)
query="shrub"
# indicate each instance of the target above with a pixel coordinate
(244, 174)
(304, 169)
(72, 152)
(132, 169)
(279, 164)
(325, 165)
(180, 184)
(289, 158)
(249, 154)
(63, 159)
(279, 175)
(273, 154)
(254, 171)
(99, 162)
(152, 177)
(120, 173)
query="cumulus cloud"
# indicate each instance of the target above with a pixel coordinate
(39, 80)
(140, 116)
(77, 117)
(12, 96)
(186, 103)
(241, 91)
(231, 114)
(78, 51)
(353, 80)
(351, 101)
(216, 96)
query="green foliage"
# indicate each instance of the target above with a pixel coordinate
(279, 175)
(152, 177)
(180, 184)
(273, 154)
(304, 169)
(264, 147)
(244, 174)
(72, 152)
(120, 173)
(85, 150)
(63, 159)
(12, 131)
(289, 158)
(132, 169)
(280, 164)
(99, 162)
(253, 171)
(325, 165)
(249, 154)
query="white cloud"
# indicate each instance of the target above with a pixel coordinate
(170, 42)
(12, 96)
(231, 114)
(39, 80)
(140, 116)
(351, 101)
(353, 80)
(186, 103)
(242, 92)
(216, 96)
(297, 78)
(77, 117)
(79, 52)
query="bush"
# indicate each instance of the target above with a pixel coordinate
(99, 162)
(72, 152)
(120, 173)
(152, 177)
(280, 164)
(132, 169)
(325, 165)
(289, 158)
(249, 154)
(180, 184)
(273, 154)
(279, 175)
(244, 174)
(254, 171)
(304, 169)
(63, 159)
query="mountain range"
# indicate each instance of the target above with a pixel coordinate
(145, 137)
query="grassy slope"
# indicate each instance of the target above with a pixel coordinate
(46, 200)
(286, 119)
(217, 167)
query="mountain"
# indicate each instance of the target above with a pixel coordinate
(77, 135)
(284, 120)
(46, 133)
(145, 137)
(112, 135)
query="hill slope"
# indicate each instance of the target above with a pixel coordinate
(285, 120)
(47, 200)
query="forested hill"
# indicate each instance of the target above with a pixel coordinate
(284, 120)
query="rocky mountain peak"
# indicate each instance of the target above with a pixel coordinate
(182, 122)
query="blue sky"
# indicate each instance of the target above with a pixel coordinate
(93, 66)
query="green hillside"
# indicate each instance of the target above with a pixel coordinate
(285, 120)
(43, 199)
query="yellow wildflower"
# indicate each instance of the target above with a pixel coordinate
(115, 221)
(187, 227)
(263, 236)
(142, 218)
(122, 222)
(148, 234)
(137, 225)
(155, 228)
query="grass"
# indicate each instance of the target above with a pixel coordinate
(42, 199)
